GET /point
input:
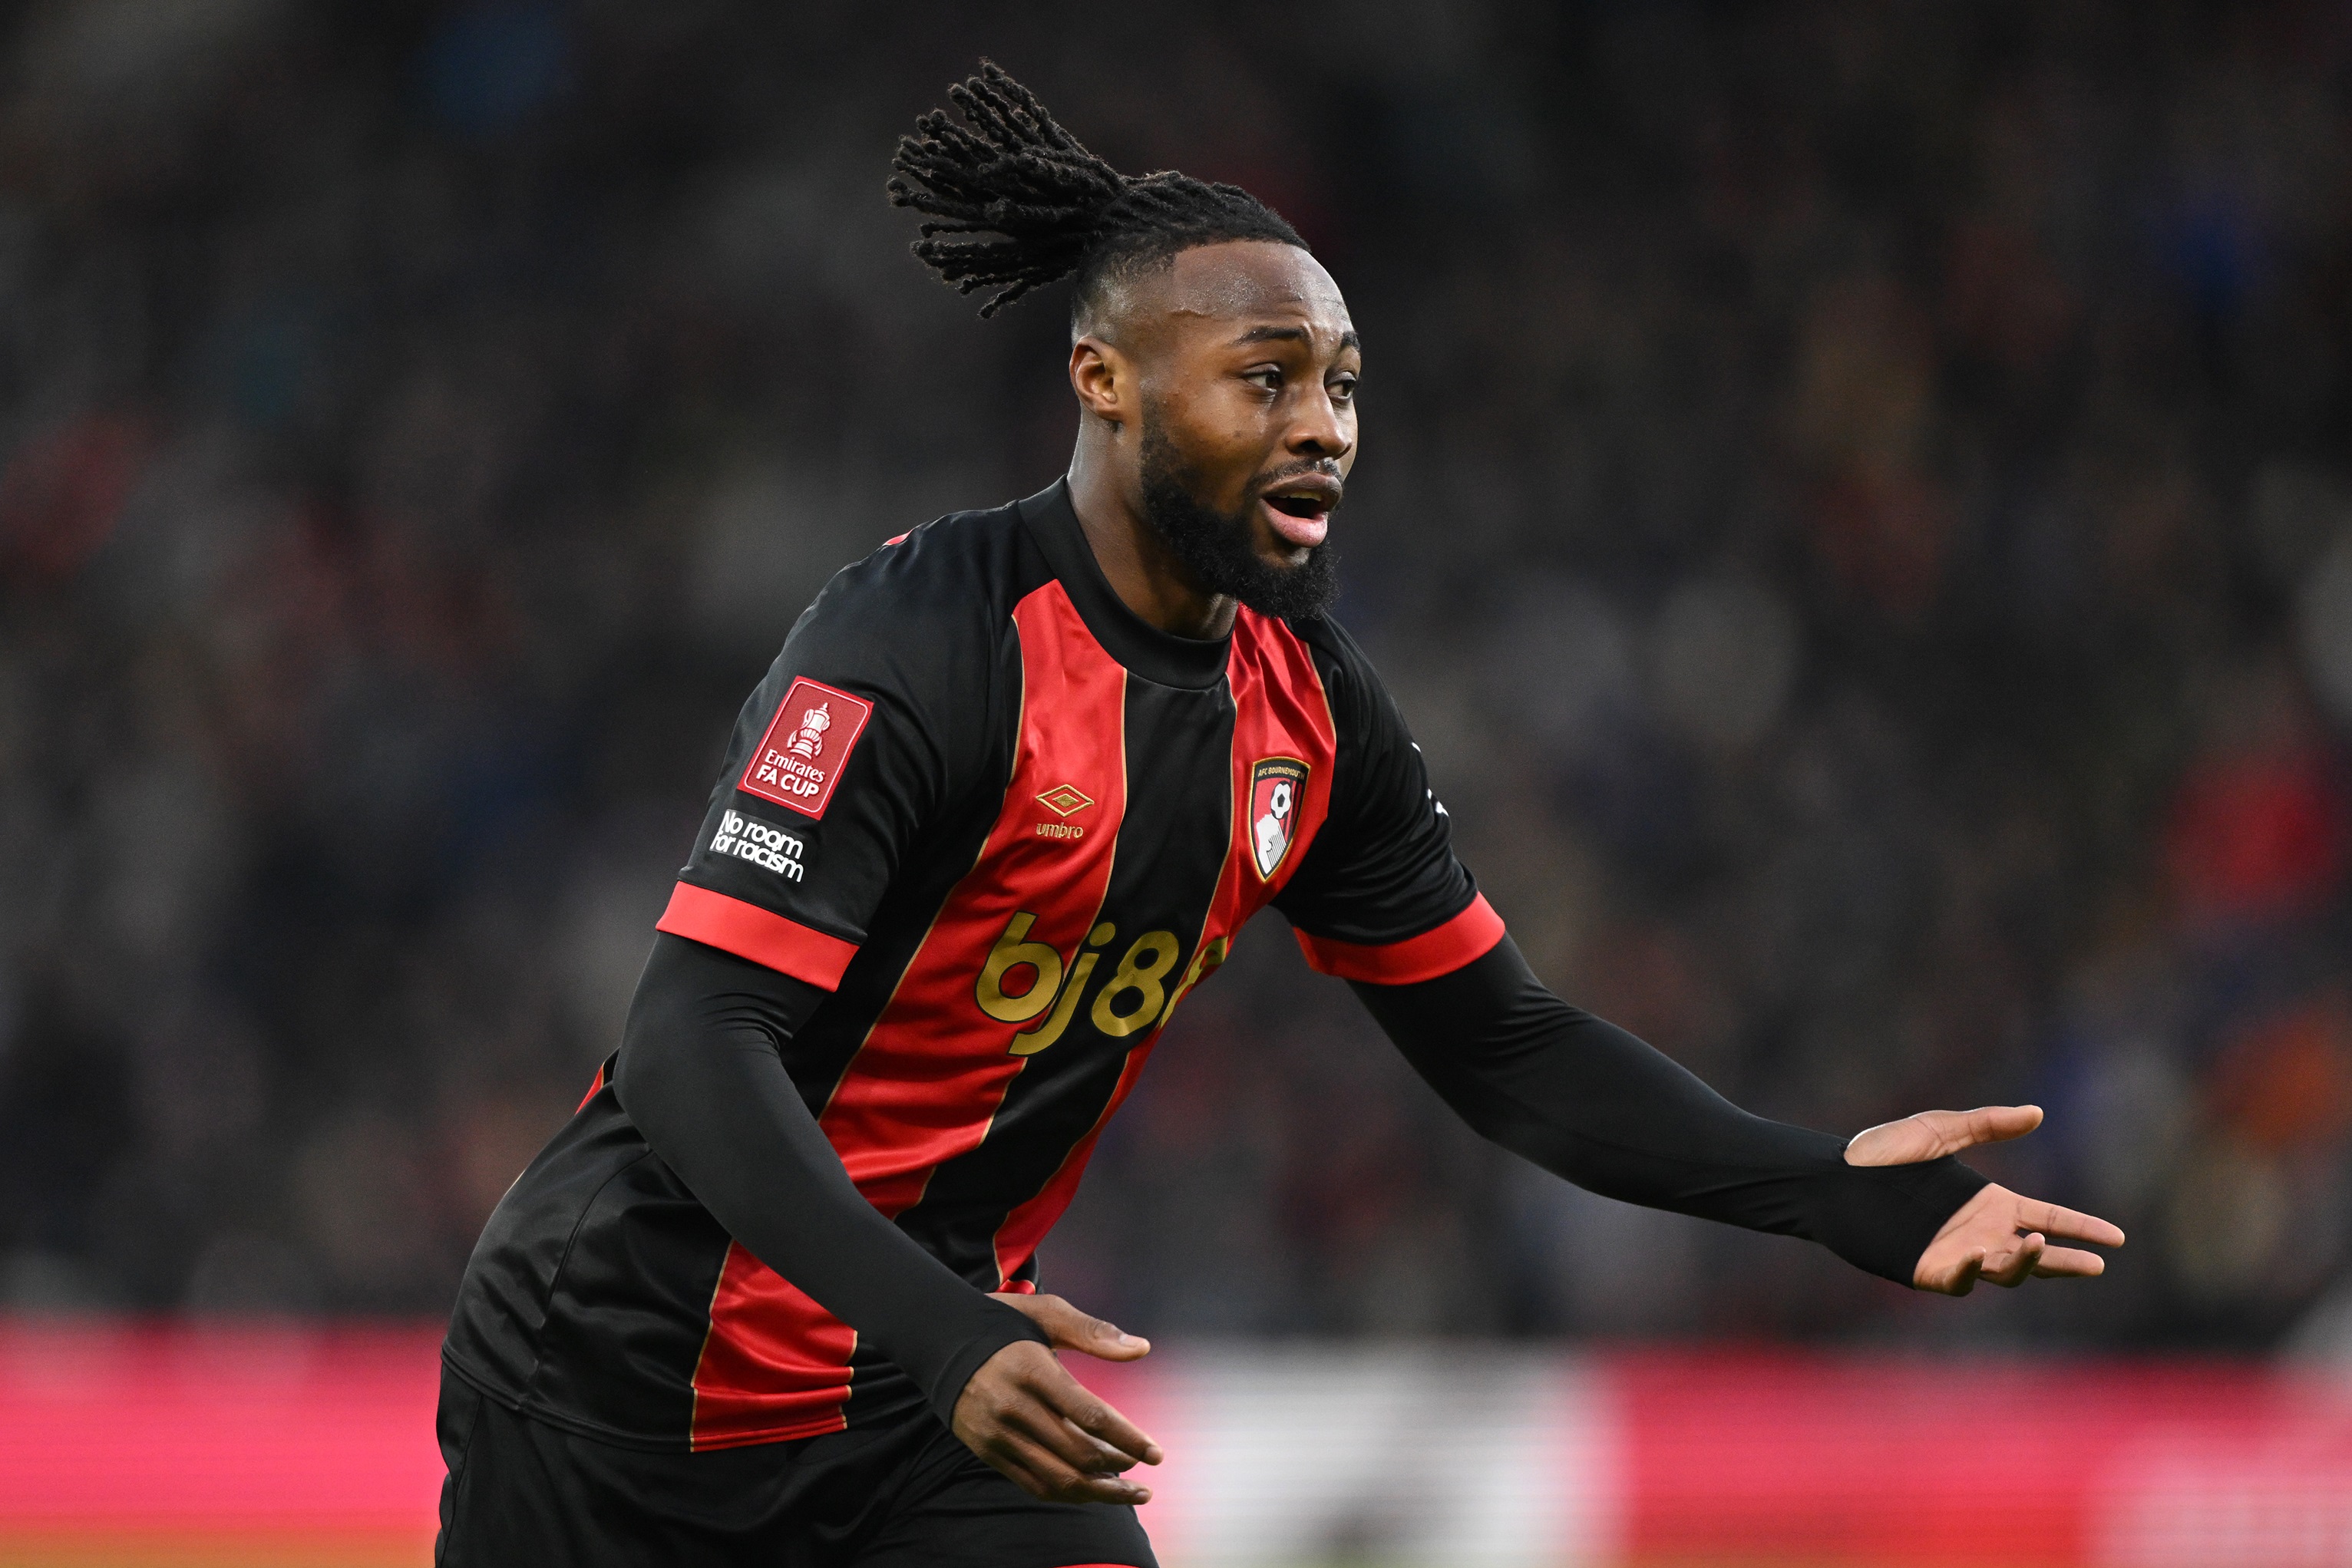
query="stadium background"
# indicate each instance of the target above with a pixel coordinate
(1855, 508)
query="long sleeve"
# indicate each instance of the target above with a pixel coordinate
(1592, 1104)
(702, 1075)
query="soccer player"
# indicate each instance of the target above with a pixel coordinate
(1013, 786)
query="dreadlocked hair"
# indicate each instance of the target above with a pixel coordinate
(1053, 208)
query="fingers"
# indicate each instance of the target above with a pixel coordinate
(2032, 1214)
(1955, 1276)
(1023, 1385)
(1044, 1474)
(1059, 1414)
(1048, 1457)
(2011, 1269)
(1024, 1414)
(1094, 1417)
(2069, 1263)
(2005, 1239)
(1065, 1456)
(2032, 1258)
(1071, 1328)
(2007, 1267)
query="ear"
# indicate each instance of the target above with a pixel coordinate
(1104, 380)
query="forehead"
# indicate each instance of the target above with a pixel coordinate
(1243, 283)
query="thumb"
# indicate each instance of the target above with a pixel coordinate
(1925, 1134)
(1995, 1124)
(1070, 1329)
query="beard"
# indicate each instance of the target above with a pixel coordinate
(1218, 550)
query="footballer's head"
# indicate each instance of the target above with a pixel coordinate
(1212, 356)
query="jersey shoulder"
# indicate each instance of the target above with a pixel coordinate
(1381, 896)
(1357, 696)
(924, 616)
(963, 568)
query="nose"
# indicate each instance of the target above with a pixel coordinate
(1319, 430)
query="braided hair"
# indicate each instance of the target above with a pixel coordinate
(1053, 208)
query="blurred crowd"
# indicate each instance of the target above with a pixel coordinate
(1854, 505)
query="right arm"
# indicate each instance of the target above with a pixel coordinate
(895, 653)
(701, 1074)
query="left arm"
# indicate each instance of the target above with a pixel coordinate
(1592, 1104)
(1382, 903)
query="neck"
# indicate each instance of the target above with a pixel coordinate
(1108, 496)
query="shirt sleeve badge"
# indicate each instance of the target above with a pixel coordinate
(800, 760)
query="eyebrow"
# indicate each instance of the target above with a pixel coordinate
(1294, 335)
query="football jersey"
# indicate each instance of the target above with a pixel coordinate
(1009, 827)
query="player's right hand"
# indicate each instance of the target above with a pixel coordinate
(1025, 1415)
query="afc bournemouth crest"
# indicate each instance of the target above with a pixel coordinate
(1277, 789)
(799, 760)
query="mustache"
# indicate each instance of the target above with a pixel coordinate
(1324, 469)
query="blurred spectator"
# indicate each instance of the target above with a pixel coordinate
(1854, 506)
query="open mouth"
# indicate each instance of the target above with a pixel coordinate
(1301, 514)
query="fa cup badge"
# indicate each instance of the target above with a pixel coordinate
(800, 760)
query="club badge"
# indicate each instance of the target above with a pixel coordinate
(1278, 787)
(799, 760)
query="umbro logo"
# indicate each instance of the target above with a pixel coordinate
(1065, 800)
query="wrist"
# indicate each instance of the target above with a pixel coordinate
(1881, 1218)
(1000, 1325)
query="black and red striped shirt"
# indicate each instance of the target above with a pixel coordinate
(1007, 826)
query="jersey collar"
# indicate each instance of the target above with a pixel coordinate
(1159, 657)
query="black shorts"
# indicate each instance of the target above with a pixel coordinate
(523, 1494)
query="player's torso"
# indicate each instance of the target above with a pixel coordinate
(990, 1024)
(1132, 801)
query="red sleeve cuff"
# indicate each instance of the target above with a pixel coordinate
(1469, 934)
(750, 932)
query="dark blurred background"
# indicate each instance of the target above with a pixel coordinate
(1856, 504)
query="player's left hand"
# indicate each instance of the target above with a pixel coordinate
(1997, 1235)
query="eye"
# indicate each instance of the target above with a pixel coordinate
(1265, 378)
(1343, 389)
